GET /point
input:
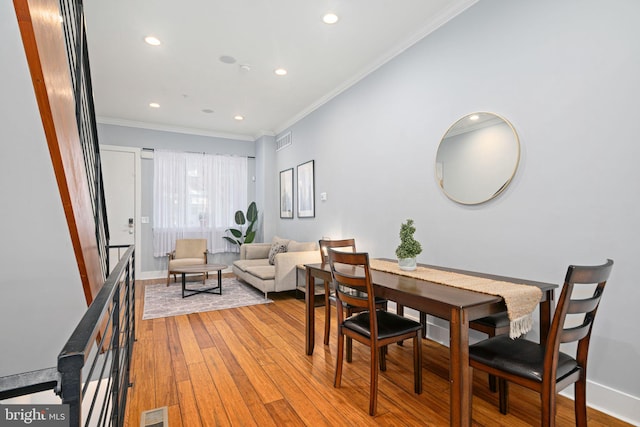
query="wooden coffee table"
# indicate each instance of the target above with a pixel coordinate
(200, 269)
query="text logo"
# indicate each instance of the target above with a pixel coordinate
(34, 415)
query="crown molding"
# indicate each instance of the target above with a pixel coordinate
(442, 19)
(176, 129)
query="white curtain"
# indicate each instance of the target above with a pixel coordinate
(196, 196)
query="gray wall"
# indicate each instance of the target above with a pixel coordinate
(565, 73)
(41, 297)
(125, 136)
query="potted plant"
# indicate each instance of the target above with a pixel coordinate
(238, 237)
(409, 247)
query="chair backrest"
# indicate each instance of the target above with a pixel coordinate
(352, 279)
(345, 245)
(577, 276)
(190, 248)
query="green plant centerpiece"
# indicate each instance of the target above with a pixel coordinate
(409, 247)
(238, 237)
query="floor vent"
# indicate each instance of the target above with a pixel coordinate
(284, 141)
(155, 418)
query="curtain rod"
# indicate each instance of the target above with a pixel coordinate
(200, 152)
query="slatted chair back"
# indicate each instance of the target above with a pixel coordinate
(352, 280)
(570, 303)
(345, 245)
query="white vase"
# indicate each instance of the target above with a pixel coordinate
(407, 264)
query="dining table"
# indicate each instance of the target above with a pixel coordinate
(458, 306)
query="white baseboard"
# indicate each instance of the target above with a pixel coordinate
(612, 402)
(147, 275)
(600, 397)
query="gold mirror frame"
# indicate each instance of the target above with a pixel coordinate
(477, 158)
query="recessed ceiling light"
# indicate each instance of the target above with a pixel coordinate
(154, 105)
(280, 72)
(227, 59)
(474, 117)
(238, 117)
(153, 41)
(330, 18)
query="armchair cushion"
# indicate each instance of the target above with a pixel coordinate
(190, 248)
(181, 262)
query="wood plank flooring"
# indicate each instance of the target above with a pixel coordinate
(246, 367)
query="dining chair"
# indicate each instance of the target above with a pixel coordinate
(544, 368)
(344, 245)
(373, 327)
(186, 252)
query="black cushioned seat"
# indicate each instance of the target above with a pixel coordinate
(389, 324)
(519, 357)
(498, 320)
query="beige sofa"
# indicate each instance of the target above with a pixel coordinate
(254, 268)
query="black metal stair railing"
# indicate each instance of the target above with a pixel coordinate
(77, 53)
(92, 373)
(94, 364)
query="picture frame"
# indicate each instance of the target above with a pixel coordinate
(286, 194)
(306, 190)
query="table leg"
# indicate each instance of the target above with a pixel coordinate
(459, 370)
(309, 329)
(546, 308)
(220, 281)
(184, 283)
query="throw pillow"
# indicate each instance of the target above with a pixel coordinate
(276, 248)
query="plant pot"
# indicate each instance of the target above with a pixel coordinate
(407, 264)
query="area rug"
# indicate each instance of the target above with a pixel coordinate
(164, 301)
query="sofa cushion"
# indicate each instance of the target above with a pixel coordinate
(301, 246)
(267, 272)
(276, 248)
(254, 251)
(244, 264)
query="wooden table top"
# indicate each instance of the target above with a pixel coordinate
(440, 298)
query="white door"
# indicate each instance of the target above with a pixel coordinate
(119, 173)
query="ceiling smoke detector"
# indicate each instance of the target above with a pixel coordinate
(227, 59)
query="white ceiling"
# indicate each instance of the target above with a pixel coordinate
(185, 76)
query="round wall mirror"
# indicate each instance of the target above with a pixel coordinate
(477, 158)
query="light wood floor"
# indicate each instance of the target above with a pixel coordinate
(246, 367)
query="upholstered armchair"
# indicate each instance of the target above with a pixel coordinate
(187, 252)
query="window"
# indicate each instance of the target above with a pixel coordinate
(196, 196)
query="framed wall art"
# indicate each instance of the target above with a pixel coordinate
(306, 191)
(286, 193)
